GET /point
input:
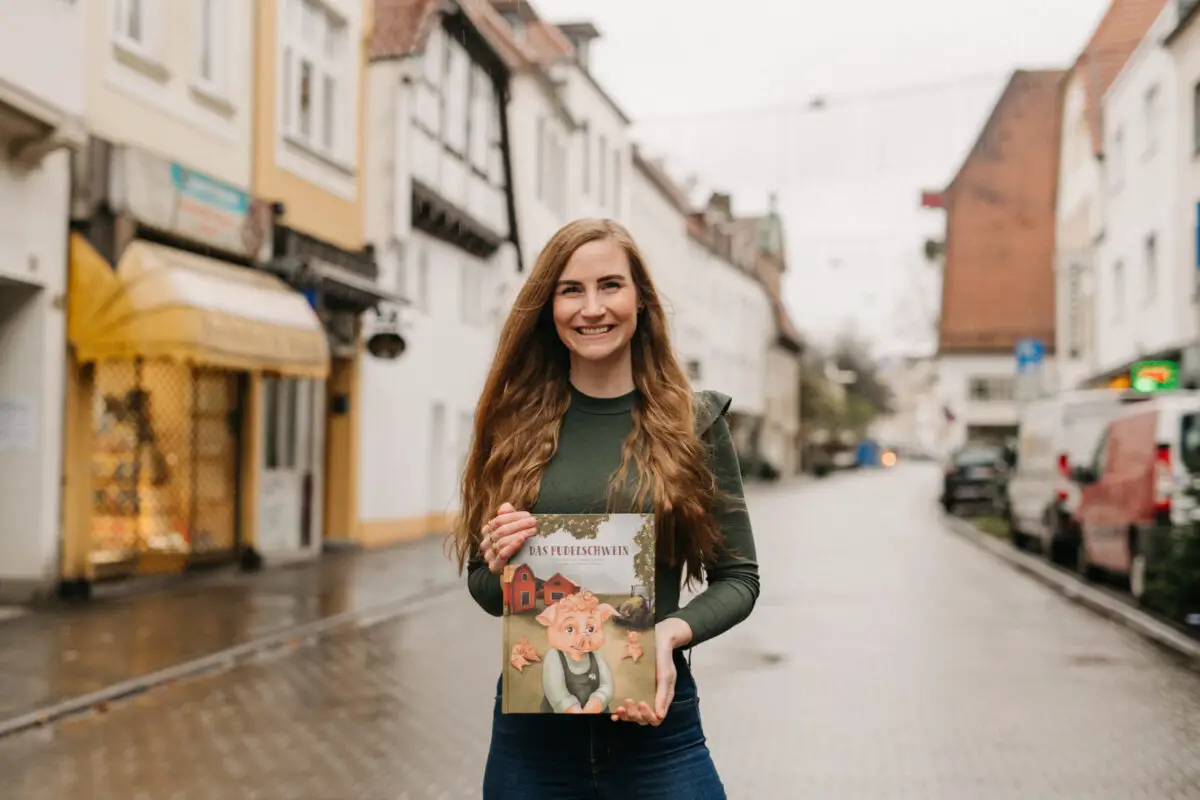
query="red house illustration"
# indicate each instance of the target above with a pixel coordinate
(556, 589)
(520, 589)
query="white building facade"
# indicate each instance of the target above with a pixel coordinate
(545, 154)
(658, 214)
(1183, 44)
(978, 398)
(439, 214)
(732, 354)
(1144, 294)
(1079, 225)
(603, 178)
(42, 72)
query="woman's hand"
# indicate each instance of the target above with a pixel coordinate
(669, 635)
(504, 535)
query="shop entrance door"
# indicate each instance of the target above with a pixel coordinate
(293, 450)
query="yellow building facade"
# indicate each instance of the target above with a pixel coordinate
(309, 155)
(217, 281)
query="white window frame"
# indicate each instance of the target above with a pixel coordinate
(216, 84)
(482, 103)
(1117, 162)
(1150, 111)
(471, 293)
(297, 49)
(456, 97)
(144, 49)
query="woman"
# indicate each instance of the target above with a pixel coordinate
(585, 397)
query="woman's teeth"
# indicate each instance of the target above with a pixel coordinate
(595, 331)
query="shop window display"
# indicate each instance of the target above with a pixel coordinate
(164, 461)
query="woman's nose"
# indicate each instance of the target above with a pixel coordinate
(593, 307)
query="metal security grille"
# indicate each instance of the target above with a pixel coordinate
(165, 455)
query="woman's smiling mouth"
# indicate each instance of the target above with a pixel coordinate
(599, 330)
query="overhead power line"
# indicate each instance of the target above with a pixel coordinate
(822, 101)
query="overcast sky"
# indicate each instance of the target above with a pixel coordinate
(723, 90)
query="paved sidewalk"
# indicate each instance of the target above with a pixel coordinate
(51, 657)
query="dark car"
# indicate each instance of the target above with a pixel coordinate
(971, 475)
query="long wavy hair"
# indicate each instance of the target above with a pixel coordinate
(520, 412)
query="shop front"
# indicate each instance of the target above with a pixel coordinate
(178, 342)
(311, 475)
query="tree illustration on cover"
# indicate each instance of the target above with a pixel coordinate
(578, 605)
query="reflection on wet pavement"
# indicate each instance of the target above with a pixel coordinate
(58, 655)
(887, 659)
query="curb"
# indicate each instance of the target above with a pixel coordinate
(1078, 591)
(230, 657)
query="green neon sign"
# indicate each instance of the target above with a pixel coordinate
(1154, 376)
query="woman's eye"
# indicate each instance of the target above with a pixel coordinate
(612, 285)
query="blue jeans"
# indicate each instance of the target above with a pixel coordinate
(568, 757)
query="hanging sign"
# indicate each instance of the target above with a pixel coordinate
(1154, 376)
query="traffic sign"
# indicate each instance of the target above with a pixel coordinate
(1029, 353)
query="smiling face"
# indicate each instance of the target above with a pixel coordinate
(596, 302)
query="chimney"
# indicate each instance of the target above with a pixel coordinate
(581, 34)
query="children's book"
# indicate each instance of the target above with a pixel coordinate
(579, 615)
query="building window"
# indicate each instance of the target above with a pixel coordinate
(1150, 111)
(317, 92)
(434, 62)
(991, 389)
(471, 293)
(1151, 267)
(456, 89)
(482, 103)
(1075, 311)
(131, 26)
(421, 290)
(211, 46)
(1196, 119)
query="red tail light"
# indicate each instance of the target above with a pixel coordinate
(1064, 471)
(1162, 479)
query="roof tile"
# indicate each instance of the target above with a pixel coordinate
(1119, 32)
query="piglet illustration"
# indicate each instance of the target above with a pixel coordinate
(523, 654)
(633, 646)
(576, 678)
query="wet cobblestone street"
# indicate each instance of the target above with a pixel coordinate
(887, 658)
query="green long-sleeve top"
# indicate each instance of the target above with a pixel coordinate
(576, 482)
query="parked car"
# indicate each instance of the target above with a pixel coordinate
(1138, 493)
(970, 475)
(1055, 434)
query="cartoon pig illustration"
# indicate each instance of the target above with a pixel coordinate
(576, 679)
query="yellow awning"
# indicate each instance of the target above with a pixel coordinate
(166, 303)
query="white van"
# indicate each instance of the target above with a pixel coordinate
(1055, 434)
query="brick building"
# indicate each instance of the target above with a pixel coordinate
(998, 280)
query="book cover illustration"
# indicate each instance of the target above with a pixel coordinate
(579, 615)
